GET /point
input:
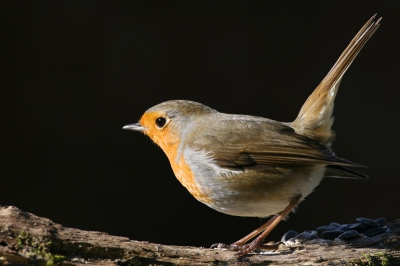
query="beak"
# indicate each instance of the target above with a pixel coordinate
(135, 127)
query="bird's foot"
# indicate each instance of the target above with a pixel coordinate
(245, 248)
(231, 247)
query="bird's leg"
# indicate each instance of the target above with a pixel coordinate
(268, 228)
(247, 238)
(263, 230)
(238, 245)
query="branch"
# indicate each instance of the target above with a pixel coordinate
(26, 239)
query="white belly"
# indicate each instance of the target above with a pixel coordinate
(252, 193)
(272, 201)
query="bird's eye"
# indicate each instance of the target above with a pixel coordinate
(160, 122)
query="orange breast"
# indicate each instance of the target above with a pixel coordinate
(185, 175)
(168, 139)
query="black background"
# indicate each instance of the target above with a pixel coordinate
(74, 73)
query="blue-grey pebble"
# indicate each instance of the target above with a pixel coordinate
(374, 231)
(312, 232)
(368, 222)
(288, 235)
(335, 224)
(380, 221)
(324, 228)
(306, 236)
(349, 235)
(360, 227)
(343, 227)
(332, 234)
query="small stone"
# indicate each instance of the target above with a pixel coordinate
(368, 222)
(306, 236)
(374, 231)
(387, 228)
(380, 221)
(349, 235)
(358, 227)
(288, 235)
(343, 227)
(324, 228)
(289, 242)
(332, 234)
(335, 224)
(312, 232)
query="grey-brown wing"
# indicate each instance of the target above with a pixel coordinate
(265, 146)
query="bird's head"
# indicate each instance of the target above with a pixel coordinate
(165, 123)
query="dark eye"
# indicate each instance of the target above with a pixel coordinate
(160, 122)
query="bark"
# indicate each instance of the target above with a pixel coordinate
(26, 239)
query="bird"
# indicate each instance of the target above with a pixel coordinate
(251, 166)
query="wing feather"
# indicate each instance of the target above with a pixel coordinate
(270, 144)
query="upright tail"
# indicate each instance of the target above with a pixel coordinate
(315, 117)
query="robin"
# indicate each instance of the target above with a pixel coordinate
(253, 166)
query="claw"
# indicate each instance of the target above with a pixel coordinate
(234, 247)
(245, 249)
(231, 247)
(219, 246)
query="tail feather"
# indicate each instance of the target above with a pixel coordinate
(315, 117)
(338, 171)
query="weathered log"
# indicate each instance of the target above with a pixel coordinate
(26, 239)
